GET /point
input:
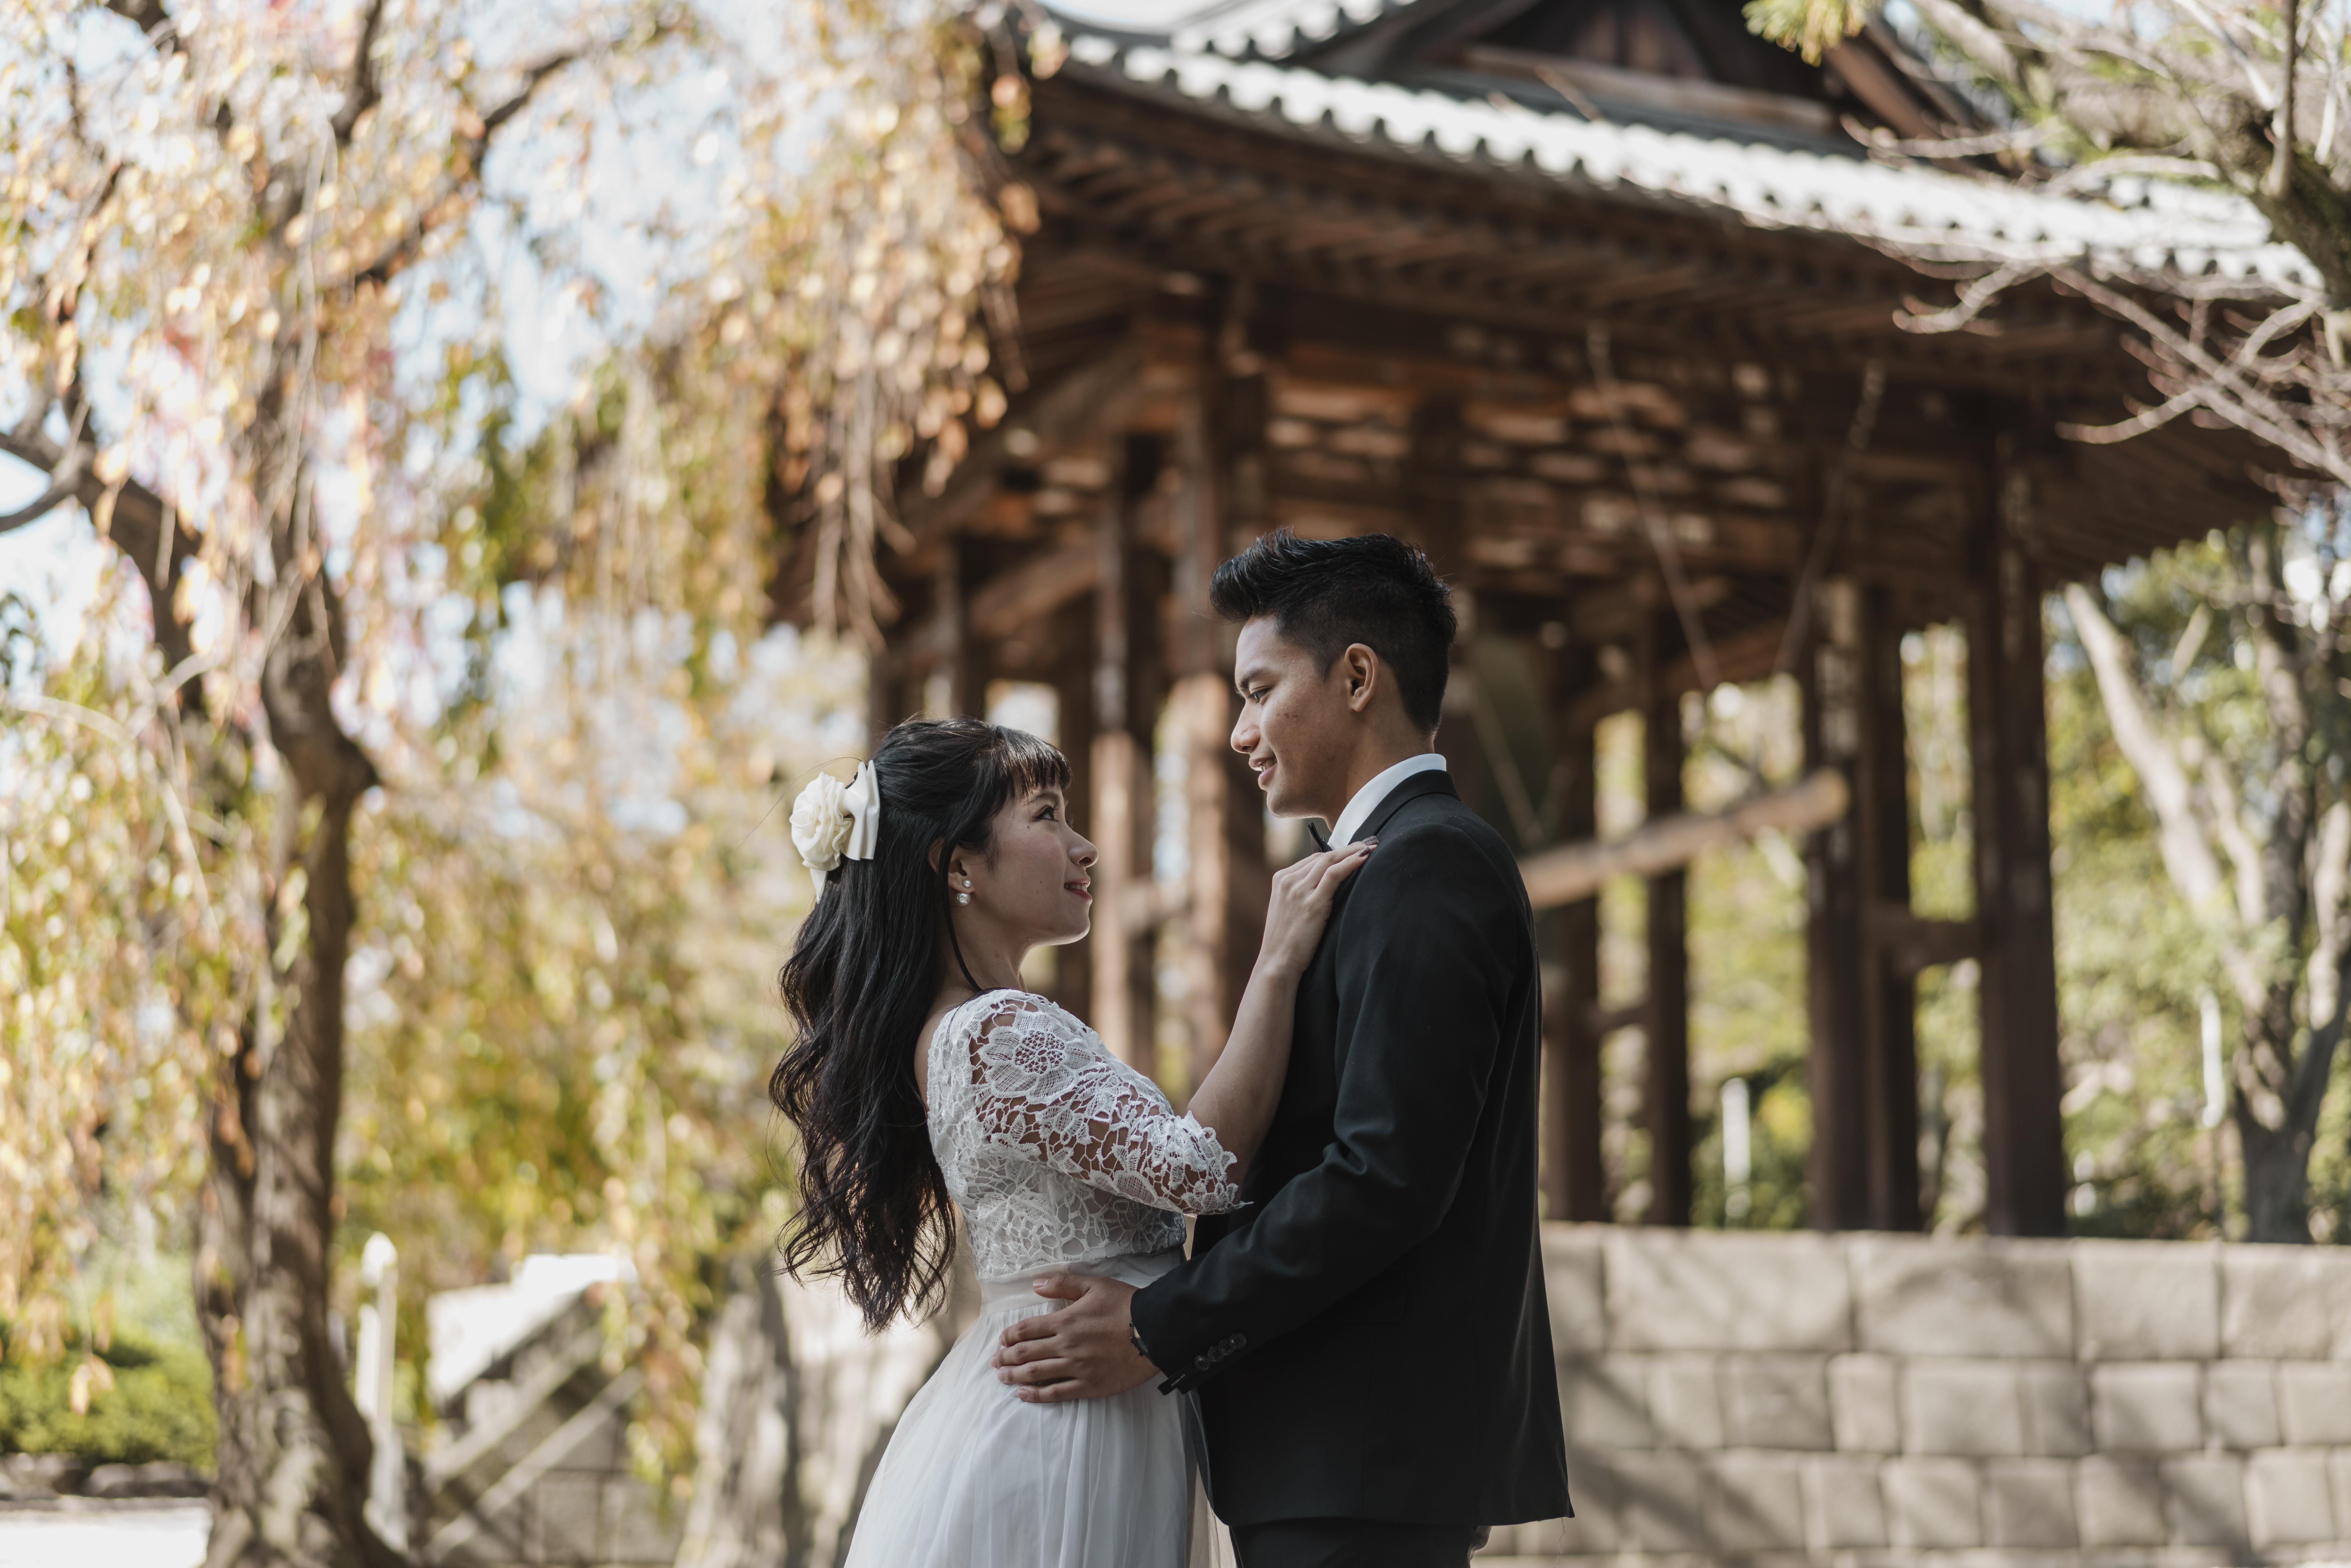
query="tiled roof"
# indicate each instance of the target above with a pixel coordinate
(2135, 224)
(1276, 29)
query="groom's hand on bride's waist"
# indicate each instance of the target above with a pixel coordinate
(1086, 1350)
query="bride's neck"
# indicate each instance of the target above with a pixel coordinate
(972, 963)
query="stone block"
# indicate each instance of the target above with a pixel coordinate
(2030, 1503)
(2153, 1406)
(1842, 1505)
(2333, 1265)
(1961, 1407)
(1677, 1290)
(1865, 1414)
(1574, 1284)
(1663, 1502)
(2204, 1496)
(2147, 1300)
(1917, 1296)
(638, 1527)
(1932, 1502)
(2056, 1399)
(1685, 1406)
(2241, 1405)
(1776, 1402)
(2286, 1498)
(1603, 1403)
(563, 1518)
(2119, 1501)
(2339, 1462)
(2314, 1400)
(1755, 1502)
(2274, 1303)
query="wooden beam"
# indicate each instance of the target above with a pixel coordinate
(1034, 590)
(1914, 944)
(1747, 655)
(1578, 871)
(2024, 1152)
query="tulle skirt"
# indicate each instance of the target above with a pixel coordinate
(974, 1478)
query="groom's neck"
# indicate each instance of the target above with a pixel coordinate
(1375, 756)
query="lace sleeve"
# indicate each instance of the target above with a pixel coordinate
(1044, 1083)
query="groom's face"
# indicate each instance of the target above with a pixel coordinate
(1295, 727)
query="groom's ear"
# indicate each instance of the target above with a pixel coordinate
(1361, 668)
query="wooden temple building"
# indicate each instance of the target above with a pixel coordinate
(1592, 300)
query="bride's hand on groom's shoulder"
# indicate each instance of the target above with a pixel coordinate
(1085, 1350)
(1301, 906)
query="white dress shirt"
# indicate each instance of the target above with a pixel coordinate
(1367, 798)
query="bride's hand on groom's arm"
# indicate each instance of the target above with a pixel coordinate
(1085, 1350)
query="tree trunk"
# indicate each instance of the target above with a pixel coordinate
(294, 1452)
(2276, 1105)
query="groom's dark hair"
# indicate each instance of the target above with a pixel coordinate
(1324, 594)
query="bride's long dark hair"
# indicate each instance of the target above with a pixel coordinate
(873, 1207)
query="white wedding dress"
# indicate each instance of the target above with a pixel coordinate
(1061, 1157)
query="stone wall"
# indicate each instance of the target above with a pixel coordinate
(1873, 1397)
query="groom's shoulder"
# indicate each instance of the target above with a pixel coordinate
(1436, 840)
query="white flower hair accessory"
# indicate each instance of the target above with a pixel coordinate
(833, 821)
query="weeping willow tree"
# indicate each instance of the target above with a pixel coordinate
(251, 258)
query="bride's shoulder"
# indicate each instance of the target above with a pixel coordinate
(1008, 1007)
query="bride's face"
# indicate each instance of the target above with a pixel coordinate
(1033, 883)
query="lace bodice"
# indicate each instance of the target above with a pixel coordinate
(1057, 1152)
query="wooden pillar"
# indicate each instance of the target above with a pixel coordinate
(1864, 1057)
(2024, 1155)
(1881, 810)
(966, 652)
(1575, 1182)
(1666, 1017)
(1220, 509)
(1073, 683)
(1834, 919)
(1126, 698)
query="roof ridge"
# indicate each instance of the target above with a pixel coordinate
(2136, 224)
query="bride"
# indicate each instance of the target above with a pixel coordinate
(930, 1090)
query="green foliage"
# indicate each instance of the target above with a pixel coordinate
(157, 1405)
(145, 1389)
(1811, 28)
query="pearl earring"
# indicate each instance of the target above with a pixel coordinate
(965, 897)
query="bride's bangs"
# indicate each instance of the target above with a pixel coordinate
(1030, 763)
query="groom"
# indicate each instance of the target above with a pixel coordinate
(1366, 1336)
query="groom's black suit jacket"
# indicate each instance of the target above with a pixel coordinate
(1367, 1336)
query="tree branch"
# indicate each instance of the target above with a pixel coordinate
(396, 257)
(365, 90)
(65, 484)
(2187, 853)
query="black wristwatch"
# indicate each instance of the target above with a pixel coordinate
(1134, 1337)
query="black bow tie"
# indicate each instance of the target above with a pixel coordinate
(1322, 840)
